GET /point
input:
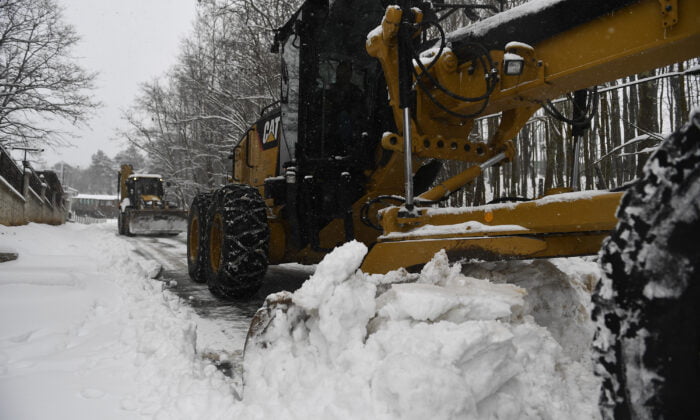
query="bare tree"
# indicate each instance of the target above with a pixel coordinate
(189, 121)
(39, 79)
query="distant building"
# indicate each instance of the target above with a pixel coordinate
(95, 205)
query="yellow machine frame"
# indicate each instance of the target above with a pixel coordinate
(643, 36)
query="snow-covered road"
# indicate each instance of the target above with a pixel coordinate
(231, 317)
(87, 333)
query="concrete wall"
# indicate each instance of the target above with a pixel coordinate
(11, 205)
(22, 207)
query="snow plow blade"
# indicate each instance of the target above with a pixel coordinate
(559, 225)
(157, 222)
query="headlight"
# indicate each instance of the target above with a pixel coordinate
(513, 64)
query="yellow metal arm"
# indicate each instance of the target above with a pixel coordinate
(639, 37)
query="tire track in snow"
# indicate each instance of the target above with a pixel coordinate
(232, 316)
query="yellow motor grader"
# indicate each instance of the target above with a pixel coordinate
(142, 207)
(370, 105)
(312, 172)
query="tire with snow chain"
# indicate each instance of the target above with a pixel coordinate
(125, 225)
(120, 223)
(239, 239)
(198, 237)
(647, 305)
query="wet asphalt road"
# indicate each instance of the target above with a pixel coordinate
(171, 253)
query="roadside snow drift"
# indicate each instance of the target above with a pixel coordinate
(438, 345)
(86, 334)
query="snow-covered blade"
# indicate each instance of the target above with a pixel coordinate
(157, 222)
(557, 225)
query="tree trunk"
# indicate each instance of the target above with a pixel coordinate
(648, 118)
(615, 135)
(550, 156)
(680, 112)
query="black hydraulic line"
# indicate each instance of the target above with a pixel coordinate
(581, 121)
(443, 44)
(364, 211)
(591, 108)
(449, 111)
(490, 79)
(580, 124)
(489, 71)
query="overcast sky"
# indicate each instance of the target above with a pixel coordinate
(127, 42)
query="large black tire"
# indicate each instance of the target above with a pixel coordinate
(198, 237)
(120, 227)
(239, 239)
(125, 225)
(647, 305)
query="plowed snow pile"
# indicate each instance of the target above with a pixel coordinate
(438, 345)
(86, 334)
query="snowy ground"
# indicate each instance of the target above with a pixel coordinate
(86, 333)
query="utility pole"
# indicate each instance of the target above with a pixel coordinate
(25, 162)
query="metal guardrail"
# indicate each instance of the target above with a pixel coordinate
(35, 182)
(10, 171)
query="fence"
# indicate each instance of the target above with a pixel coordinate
(9, 171)
(34, 182)
(29, 196)
(87, 220)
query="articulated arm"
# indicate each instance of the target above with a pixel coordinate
(514, 78)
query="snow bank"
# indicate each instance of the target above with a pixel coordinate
(86, 334)
(436, 345)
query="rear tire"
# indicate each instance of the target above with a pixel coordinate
(120, 228)
(198, 237)
(125, 225)
(647, 304)
(239, 239)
